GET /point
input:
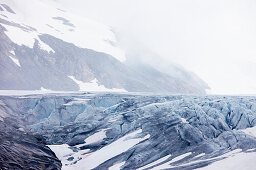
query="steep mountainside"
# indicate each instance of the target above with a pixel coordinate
(60, 51)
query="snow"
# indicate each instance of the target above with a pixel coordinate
(84, 34)
(250, 131)
(46, 90)
(45, 47)
(200, 155)
(167, 164)
(116, 166)
(155, 163)
(226, 155)
(21, 129)
(15, 60)
(94, 159)
(253, 149)
(12, 52)
(25, 38)
(61, 150)
(93, 86)
(97, 137)
(245, 161)
(183, 120)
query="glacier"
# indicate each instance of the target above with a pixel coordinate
(89, 130)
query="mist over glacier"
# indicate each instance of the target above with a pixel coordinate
(214, 39)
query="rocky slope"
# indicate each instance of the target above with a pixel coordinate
(21, 150)
(135, 131)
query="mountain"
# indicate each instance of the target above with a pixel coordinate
(45, 47)
(127, 131)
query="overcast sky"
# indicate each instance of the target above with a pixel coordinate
(216, 39)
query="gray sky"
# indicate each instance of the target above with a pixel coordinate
(216, 39)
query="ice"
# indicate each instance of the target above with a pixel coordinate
(183, 120)
(102, 130)
(93, 86)
(119, 146)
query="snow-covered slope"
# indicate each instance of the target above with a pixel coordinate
(46, 17)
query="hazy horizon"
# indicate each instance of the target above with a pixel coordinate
(214, 39)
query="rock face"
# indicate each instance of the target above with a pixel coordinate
(47, 58)
(131, 130)
(20, 150)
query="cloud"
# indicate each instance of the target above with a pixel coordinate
(214, 39)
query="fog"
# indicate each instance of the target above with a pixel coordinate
(214, 39)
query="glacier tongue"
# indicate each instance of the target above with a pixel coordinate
(138, 131)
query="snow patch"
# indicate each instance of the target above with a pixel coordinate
(44, 46)
(19, 36)
(200, 155)
(253, 149)
(15, 60)
(117, 166)
(12, 52)
(167, 164)
(183, 120)
(26, 38)
(61, 151)
(45, 90)
(245, 161)
(155, 163)
(93, 86)
(97, 137)
(250, 131)
(226, 155)
(91, 160)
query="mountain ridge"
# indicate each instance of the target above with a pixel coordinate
(46, 61)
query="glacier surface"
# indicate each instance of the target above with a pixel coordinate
(138, 131)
